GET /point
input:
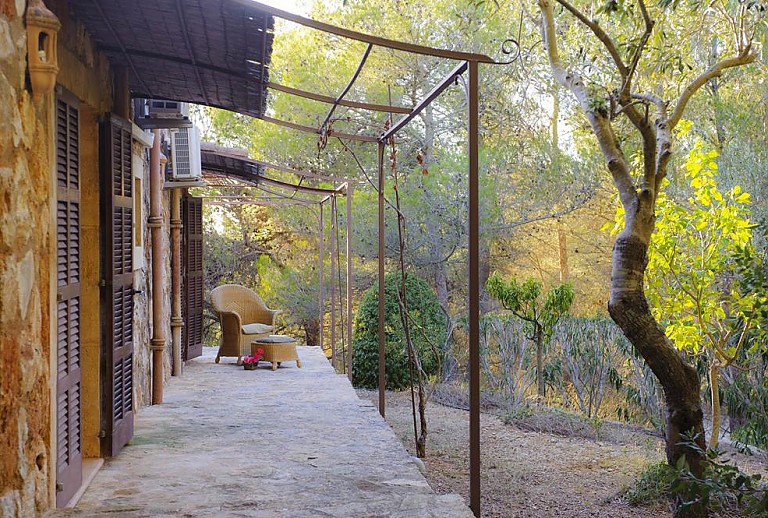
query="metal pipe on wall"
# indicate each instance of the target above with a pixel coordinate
(155, 223)
(176, 320)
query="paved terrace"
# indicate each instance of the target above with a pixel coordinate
(291, 443)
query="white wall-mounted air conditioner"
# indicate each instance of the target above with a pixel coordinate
(162, 109)
(185, 154)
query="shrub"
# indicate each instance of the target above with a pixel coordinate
(427, 327)
(652, 487)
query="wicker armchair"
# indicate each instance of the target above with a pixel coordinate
(243, 317)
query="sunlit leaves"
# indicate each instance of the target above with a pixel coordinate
(692, 252)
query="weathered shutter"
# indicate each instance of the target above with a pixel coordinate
(192, 332)
(68, 394)
(117, 294)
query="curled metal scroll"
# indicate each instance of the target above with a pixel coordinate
(510, 47)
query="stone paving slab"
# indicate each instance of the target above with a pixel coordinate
(291, 443)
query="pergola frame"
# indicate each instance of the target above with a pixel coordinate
(276, 199)
(468, 62)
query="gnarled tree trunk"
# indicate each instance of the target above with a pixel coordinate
(629, 309)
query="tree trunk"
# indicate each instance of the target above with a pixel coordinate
(539, 338)
(714, 386)
(562, 251)
(629, 309)
(487, 303)
(312, 331)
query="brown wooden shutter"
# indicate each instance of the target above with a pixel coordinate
(68, 380)
(117, 294)
(192, 332)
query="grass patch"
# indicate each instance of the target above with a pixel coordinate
(554, 421)
(561, 422)
(651, 487)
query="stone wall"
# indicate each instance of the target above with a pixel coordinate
(26, 257)
(167, 286)
(142, 280)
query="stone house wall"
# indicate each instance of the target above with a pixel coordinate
(28, 260)
(142, 280)
(26, 153)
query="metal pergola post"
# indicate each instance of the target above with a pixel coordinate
(321, 273)
(467, 62)
(349, 280)
(334, 359)
(382, 350)
(474, 294)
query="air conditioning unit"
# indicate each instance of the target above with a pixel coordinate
(162, 109)
(185, 154)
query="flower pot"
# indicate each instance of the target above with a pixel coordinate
(250, 366)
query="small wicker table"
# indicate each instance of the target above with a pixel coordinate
(277, 349)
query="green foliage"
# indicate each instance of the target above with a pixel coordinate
(428, 329)
(523, 300)
(695, 243)
(652, 486)
(506, 358)
(588, 353)
(295, 291)
(722, 488)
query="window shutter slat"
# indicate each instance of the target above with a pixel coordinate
(68, 354)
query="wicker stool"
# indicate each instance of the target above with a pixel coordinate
(277, 349)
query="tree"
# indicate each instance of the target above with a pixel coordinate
(523, 301)
(694, 249)
(427, 328)
(610, 94)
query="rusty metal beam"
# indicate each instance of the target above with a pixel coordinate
(431, 96)
(301, 188)
(341, 102)
(474, 294)
(344, 92)
(316, 131)
(367, 38)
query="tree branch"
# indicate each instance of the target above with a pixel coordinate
(599, 120)
(601, 35)
(746, 56)
(626, 87)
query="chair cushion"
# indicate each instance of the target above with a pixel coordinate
(257, 329)
(275, 339)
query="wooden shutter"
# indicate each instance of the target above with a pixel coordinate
(117, 268)
(192, 303)
(68, 380)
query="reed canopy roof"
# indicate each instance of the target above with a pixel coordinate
(211, 52)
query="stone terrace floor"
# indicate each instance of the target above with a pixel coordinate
(290, 443)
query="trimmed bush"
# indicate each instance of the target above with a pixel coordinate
(427, 320)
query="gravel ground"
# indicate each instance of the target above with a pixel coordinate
(525, 473)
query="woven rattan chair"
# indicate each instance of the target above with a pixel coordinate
(243, 317)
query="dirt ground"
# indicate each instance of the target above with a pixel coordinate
(531, 474)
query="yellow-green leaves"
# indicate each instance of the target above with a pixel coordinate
(694, 247)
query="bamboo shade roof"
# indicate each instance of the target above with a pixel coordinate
(211, 52)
